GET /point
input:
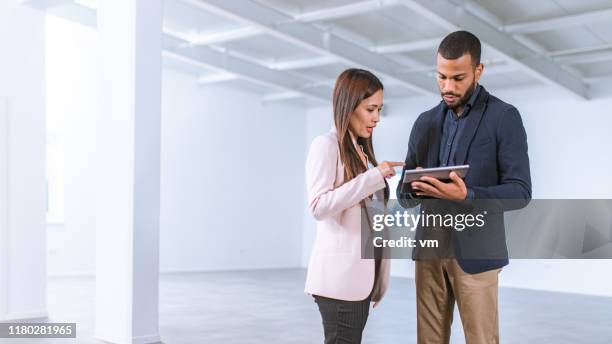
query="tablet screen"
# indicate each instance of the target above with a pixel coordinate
(441, 173)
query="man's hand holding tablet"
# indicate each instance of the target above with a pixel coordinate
(430, 186)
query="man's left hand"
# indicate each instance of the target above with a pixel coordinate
(433, 187)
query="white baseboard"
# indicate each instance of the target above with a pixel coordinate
(226, 269)
(89, 273)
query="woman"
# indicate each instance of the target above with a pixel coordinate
(341, 173)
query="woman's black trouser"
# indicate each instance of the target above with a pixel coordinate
(343, 321)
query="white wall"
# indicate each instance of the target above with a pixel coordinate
(232, 179)
(22, 163)
(564, 136)
(232, 168)
(318, 121)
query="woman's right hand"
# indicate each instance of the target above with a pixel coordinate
(386, 168)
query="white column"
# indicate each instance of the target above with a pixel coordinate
(22, 163)
(128, 186)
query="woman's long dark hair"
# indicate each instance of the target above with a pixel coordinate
(352, 87)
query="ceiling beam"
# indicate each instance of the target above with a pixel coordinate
(581, 50)
(405, 47)
(313, 39)
(501, 68)
(281, 96)
(345, 33)
(93, 4)
(343, 11)
(66, 9)
(180, 58)
(217, 78)
(491, 67)
(560, 22)
(226, 36)
(45, 4)
(587, 57)
(598, 79)
(244, 69)
(331, 83)
(303, 63)
(592, 54)
(448, 16)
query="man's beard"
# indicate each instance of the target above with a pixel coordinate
(463, 100)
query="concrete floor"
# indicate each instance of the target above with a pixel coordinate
(268, 306)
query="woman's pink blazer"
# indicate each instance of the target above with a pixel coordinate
(336, 269)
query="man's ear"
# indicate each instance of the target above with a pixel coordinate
(478, 71)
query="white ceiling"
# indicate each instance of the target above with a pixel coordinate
(289, 49)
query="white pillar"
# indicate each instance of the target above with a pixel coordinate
(22, 163)
(127, 202)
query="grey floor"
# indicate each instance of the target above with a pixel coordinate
(268, 306)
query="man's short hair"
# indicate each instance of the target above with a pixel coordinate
(460, 43)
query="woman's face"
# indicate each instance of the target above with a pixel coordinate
(366, 115)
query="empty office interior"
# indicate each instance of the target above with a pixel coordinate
(152, 158)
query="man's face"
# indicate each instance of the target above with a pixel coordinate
(457, 79)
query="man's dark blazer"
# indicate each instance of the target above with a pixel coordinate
(494, 144)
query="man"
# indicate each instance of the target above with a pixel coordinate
(469, 126)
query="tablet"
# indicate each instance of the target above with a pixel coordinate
(441, 173)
